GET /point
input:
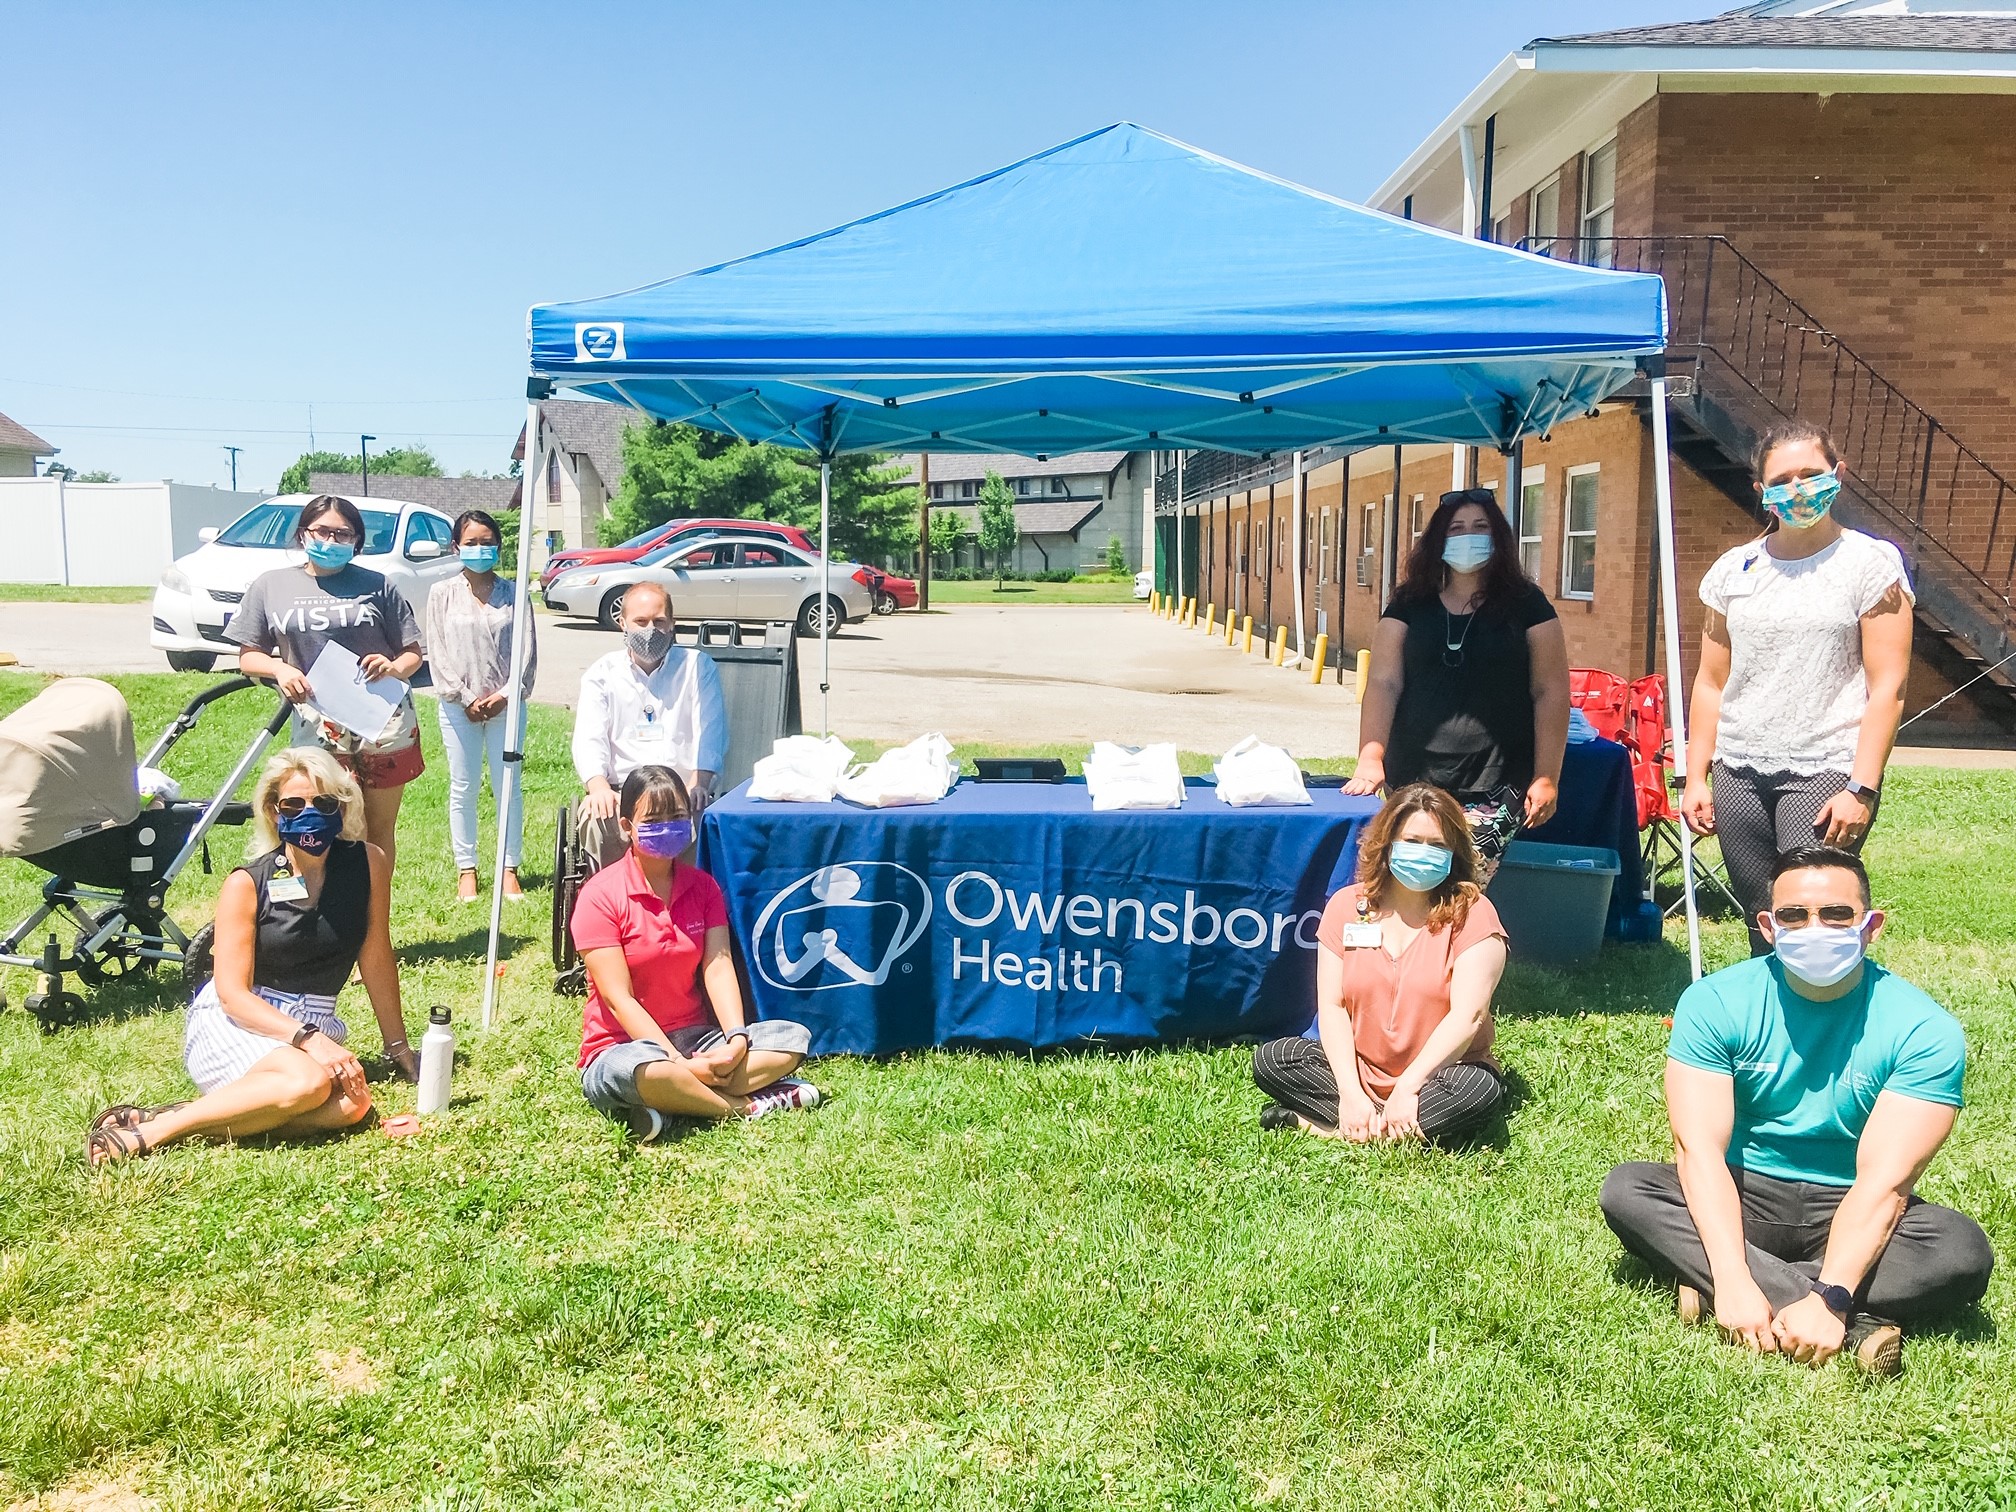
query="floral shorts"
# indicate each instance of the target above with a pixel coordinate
(392, 760)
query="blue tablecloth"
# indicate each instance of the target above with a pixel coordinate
(1599, 806)
(1012, 913)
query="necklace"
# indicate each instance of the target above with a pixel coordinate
(1452, 645)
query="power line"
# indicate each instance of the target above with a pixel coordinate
(254, 430)
(74, 388)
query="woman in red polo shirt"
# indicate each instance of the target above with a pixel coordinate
(663, 1031)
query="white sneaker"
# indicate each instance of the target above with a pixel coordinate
(780, 1096)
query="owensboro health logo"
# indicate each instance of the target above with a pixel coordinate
(850, 925)
(601, 341)
(841, 926)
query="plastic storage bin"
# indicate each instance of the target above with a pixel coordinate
(1554, 900)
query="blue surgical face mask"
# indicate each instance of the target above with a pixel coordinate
(310, 830)
(479, 558)
(1803, 501)
(664, 837)
(328, 555)
(1418, 866)
(1466, 553)
(1819, 954)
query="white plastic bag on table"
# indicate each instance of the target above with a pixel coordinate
(1122, 777)
(920, 772)
(800, 769)
(1253, 775)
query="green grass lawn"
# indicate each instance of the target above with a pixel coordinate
(1032, 593)
(967, 1281)
(61, 593)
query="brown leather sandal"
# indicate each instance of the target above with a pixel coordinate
(112, 1144)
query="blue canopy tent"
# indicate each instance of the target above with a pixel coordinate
(1123, 291)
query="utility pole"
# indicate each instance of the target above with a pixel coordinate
(923, 531)
(364, 456)
(234, 450)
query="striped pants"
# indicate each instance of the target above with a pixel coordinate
(1456, 1101)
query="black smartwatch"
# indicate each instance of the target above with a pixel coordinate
(301, 1035)
(1840, 1301)
(1868, 795)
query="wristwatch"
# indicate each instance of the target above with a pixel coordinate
(1840, 1301)
(301, 1035)
(1866, 794)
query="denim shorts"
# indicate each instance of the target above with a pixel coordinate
(609, 1081)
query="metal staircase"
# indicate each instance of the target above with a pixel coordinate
(1745, 354)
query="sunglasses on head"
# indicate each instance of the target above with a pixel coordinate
(1470, 496)
(1796, 915)
(325, 803)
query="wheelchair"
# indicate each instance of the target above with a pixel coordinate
(759, 690)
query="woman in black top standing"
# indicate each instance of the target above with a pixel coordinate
(263, 1040)
(1469, 685)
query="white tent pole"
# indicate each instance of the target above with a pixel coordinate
(1301, 500)
(1676, 693)
(514, 708)
(1179, 530)
(825, 593)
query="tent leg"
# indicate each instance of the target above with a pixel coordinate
(825, 593)
(1301, 494)
(1676, 695)
(514, 709)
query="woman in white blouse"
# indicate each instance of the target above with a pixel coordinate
(468, 633)
(1801, 683)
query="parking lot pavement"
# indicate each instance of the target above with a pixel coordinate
(1013, 676)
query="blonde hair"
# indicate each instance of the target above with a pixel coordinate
(328, 776)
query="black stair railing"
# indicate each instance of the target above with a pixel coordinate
(1756, 348)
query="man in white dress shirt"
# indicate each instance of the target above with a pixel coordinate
(650, 703)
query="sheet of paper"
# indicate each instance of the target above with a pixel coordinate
(341, 692)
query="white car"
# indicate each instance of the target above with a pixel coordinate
(723, 577)
(409, 543)
(1144, 585)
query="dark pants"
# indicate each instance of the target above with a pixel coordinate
(1758, 817)
(1936, 1260)
(1455, 1102)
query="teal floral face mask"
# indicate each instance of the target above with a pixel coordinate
(1803, 501)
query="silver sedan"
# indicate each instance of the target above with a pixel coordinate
(720, 578)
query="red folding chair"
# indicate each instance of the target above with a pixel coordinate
(1603, 697)
(1649, 738)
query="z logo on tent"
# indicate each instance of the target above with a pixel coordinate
(599, 341)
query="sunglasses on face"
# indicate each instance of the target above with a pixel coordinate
(324, 803)
(1796, 915)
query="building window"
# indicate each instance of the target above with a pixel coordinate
(1532, 505)
(1323, 547)
(937, 490)
(552, 477)
(1060, 486)
(1599, 204)
(1501, 229)
(1022, 486)
(1416, 513)
(1368, 540)
(1543, 217)
(1578, 536)
(970, 489)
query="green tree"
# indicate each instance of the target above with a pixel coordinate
(679, 471)
(395, 461)
(998, 530)
(1116, 556)
(948, 529)
(96, 475)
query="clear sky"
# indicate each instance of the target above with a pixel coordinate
(214, 216)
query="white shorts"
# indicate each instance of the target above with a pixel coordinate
(218, 1049)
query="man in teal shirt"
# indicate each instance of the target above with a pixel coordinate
(1808, 1091)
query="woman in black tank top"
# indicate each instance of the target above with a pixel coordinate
(264, 1042)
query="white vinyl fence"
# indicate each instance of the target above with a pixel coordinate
(99, 534)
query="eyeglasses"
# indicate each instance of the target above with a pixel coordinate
(1470, 496)
(338, 536)
(325, 803)
(1795, 915)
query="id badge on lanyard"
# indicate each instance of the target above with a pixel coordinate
(650, 728)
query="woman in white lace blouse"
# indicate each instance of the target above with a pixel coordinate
(468, 634)
(1801, 682)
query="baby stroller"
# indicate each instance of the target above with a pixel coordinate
(70, 804)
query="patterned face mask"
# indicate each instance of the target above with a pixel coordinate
(1803, 501)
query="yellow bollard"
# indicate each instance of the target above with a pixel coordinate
(1210, 619)
(1280, 643)
(1247, 645)
(1364, 672)
(1189, 611)
(1231, 627)
(1154, 602)
(1322, 656)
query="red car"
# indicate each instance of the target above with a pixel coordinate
(665, 535)
(889, 591)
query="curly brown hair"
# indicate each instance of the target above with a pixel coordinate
(1452, 900)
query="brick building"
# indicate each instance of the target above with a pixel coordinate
(1824, 188)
